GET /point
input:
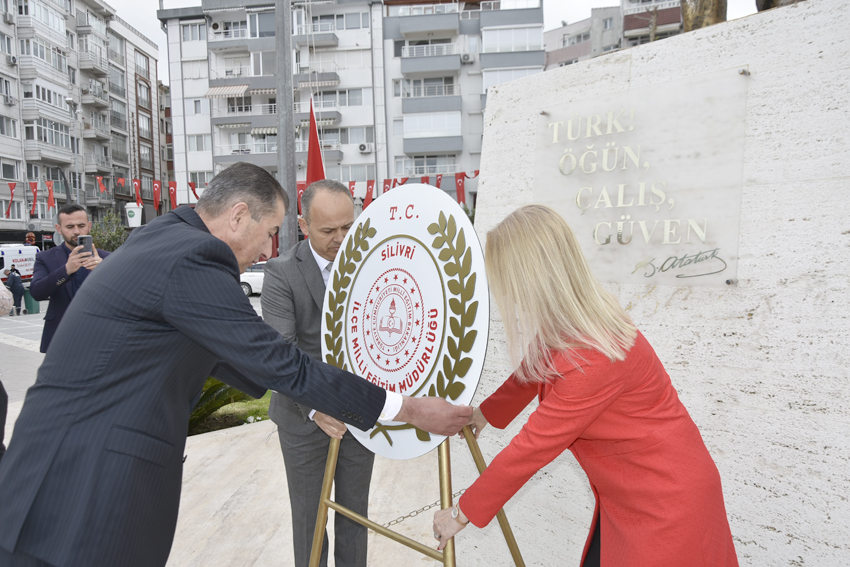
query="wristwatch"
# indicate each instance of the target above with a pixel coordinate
(456, 515)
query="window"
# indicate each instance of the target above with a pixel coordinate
(6, 44)
(350, 97)
(200, 143)
(9, 169)
(363, 172)
(145, 127)
(142, 64)
(569, 62)
(513, 39)
(8, 127)
(197, 106)
(398, 47)
(48, 16)
(200, 178)
(44, 51)
(14, 211)
(144, 95)
(576, 39)
(48, 131)
(424, 165)
(194, 32)
(239, 104)
(493, 77)
(72, 75)
(169, 152)
(432, 124)
(195, 69)
(146, 156)
(72, 39)
(51, 97)
(440, 86)
(608, 24)
(261, 24)
(264, 63)
(608, 48)
(147, 187)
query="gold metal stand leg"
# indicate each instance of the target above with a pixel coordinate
(446, 496)
(502, 517)
(322, 516)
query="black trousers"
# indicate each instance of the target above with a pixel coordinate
(4, 404)
(593, 552)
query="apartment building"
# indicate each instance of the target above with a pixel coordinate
(76, 113)
(650, 20)
(601, 33)
(398, 87)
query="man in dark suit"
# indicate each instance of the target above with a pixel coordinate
(293, 295)
(59, 272)
(92, 475)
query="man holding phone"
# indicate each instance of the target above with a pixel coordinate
(59, 272)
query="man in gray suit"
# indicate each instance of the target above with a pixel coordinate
(293, 295)
(93, 473)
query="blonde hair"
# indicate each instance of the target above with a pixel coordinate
(548, 298)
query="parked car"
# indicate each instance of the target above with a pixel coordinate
(252, 280)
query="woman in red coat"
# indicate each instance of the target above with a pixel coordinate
(605, 396)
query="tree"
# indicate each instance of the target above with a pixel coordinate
(698, 14)
(762, 5)
(109, 233)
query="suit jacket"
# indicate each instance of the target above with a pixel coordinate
(658, 495)
(49, 281)
(293, 294)
(93, 473)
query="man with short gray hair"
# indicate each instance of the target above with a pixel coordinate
(293, 297)
(93, 473)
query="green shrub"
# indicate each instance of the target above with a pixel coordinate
(215, 396)
(110, 233)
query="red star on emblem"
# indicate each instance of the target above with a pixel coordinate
(386, 280)
(404, 280)
(406, 353)
(396, 361)
(367, 317)
(413, 339)
(367, 332)
(413, 290)
(417, 321)
(371, 347)
(370, 302)
(377, 289)
(395, 277)
(416, 306)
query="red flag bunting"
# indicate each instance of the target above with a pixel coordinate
(351, 185)
(473, 176)
(315, 167)
(136, 186)
(370, 188)
(34, 189)
(388, 184)
(425, 179)
(100, 184)
(11, 198)
(172, 193)
(157, 192)
(300, 186)
(461, 194)
(51, 201)
(119, 181)
(192, 187)
(439, 180)
(397, 182)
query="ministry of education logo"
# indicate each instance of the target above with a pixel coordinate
(407, 307)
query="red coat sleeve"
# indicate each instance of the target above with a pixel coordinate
(501, 407)
(575, 400)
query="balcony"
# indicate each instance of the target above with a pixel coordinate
(115, 57)
(331, 150)
(317, 75)
(327, 112)
(126, 190)
(226, 35)
(96, 129)
(420, 60)
(246, 149)
(432, 169)
(431, 98)
(95, 197)
(145, 103)
(238, 72)
(496, 13)
(143, 72)
(36, 150)
(97, 164)
(31, 68)
(146, 163)
(88, 23)
(120, 156)
(439, 23)
(119, 121)
(244, 110)
(117, 89)
(433, 145)
(94, 63)
(316, 35)
(95, 95)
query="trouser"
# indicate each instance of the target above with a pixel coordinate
(16, 297)
(4, 403)
(304, 457)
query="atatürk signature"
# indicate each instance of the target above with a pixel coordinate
(677, 263)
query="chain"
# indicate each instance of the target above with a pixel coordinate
(421, 510)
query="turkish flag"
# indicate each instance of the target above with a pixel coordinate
(100, 184)
(351, 187)
(396, 182)
(315, 167)
(474, 175)
(119, 181)
(192, 187)
(461, 194)
(157, 189)
(11, 198)
(439, 180)
(300, 186)
(425, 179)
(51, 201)
(388, 184)
(172, 193)
(136, 185)
(34, 189)
(370, 188)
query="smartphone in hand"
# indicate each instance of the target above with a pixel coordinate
(86, 242)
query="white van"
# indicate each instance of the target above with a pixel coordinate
(23, 257)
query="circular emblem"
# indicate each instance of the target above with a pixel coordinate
(407, 307)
